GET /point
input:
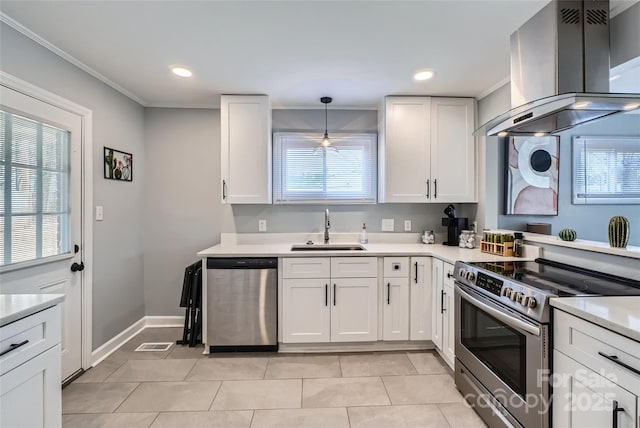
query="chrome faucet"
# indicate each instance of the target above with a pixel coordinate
(327, 226)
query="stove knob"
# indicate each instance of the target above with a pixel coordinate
(529, 302)
(506, 292)
(462, 273)
(471, 277)
(517, 297)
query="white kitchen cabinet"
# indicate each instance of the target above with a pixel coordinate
(395, 304)
(329, 299)
(443, 319)
(453, 165)
(245, 122)
(30, 376)
(595, 371)
(420, 295)
(427, 150)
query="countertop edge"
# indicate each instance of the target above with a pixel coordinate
(569, 305)
(24, 309)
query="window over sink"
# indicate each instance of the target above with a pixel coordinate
(306, 172)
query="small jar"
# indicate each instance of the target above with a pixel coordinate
(467, 239)
(518, 244)
(428, 237)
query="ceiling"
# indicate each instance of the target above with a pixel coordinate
(295, 51)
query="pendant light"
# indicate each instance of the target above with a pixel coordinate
(325, 139)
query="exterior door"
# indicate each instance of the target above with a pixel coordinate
(41, 208)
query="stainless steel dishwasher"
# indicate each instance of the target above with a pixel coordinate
(242, 304)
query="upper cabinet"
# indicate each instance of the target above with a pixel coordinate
(245, 149)
(427, 150)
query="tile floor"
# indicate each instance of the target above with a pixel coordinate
(183, 388)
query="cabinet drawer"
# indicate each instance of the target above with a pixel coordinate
(396, 267)
(354, 267)
(584, 341)
(38, 332)
(306, 267)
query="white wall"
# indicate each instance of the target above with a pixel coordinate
(118, 298)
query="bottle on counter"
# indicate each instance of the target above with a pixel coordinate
(363, 234)
(518, 244)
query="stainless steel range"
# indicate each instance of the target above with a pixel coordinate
(502, 331)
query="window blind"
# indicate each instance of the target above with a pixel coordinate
(606, 170)
(306, 172)
(34, 193)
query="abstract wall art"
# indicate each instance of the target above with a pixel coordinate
(118, 165)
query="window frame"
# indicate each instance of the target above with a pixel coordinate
(579, 194)
(279, 161)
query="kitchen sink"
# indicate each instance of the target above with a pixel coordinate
(327, 247)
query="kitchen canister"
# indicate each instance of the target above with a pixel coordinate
(428, 237)
(467, 239)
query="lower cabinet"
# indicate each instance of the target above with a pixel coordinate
(443, 320)
(420, 291)
(395, 304)
(339, 306)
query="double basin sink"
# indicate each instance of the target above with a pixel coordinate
(327, 247)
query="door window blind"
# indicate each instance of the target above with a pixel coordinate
(34, 189)
(306, 172)
(606, 170)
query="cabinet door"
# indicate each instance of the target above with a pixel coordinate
(405, 157)
(354, 309)
(245, 122)
(421, 310)
(30, 394)
(438, 301)
(395, 312)
(453, 172)
(306, 310)
(584, 399)
(448, 329)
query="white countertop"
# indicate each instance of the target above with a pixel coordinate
(620, 314)
(16, 306)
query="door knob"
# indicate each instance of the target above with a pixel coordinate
(75, 267)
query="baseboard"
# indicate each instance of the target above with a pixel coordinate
(145, 322)
(116, 342)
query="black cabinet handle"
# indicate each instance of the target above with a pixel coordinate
(334, 294)
(388, 293)
(449, 275)
(442, 293)
(75, 267)
(435, 188)
(13, 347)
(428, 188)
(614, 358)
(224, 189)
(416, 279)
(615, 411)
(326, 294)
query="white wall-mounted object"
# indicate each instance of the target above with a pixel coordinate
(245, 122)
(387, 225)
(427, 150)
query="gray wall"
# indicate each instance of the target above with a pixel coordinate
(625, 36)
(183, 213)
(118, 298)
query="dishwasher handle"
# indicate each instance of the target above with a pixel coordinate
(242, 263)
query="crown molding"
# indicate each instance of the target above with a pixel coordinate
(498, 85)
(67, 57)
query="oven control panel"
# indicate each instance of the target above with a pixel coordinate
(489, 283)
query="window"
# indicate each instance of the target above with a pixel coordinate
(606, 170)
(34, 189)
(305, 172)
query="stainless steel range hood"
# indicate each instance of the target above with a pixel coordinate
(560, 71)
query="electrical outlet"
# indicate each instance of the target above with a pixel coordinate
(262, 225)
(407, 225)
(99, 213)
(387, 225)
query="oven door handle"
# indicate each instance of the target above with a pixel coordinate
(496, 313)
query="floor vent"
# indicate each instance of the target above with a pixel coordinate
(154, 347)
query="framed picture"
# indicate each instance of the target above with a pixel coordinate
(118, 165)
(532, 175)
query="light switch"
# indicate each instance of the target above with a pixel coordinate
(387, 225)
(407, 225)
(99, 213)
(262, 225)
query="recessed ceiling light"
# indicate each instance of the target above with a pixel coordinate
(503, 134)
(631, 106)
(424, 75)
(612, 78)
(539, 134)
(181, 71)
